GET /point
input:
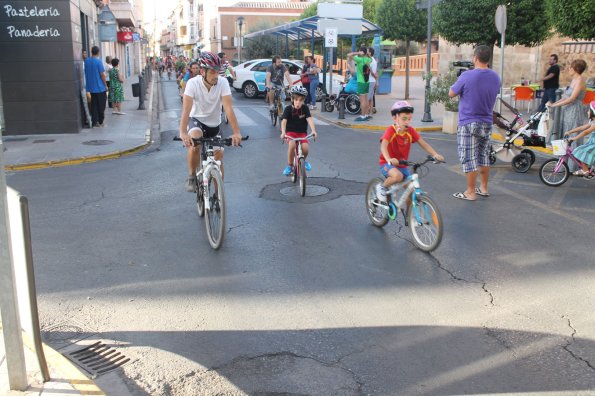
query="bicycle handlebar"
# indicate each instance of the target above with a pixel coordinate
(416, 165)
(308, 137)
(214, 141)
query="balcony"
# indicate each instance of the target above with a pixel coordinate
(123, 11)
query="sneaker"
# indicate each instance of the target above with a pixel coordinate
(307, 166)
(381, 193)
(191, 184)
(272, 108)
(287, 170)
(313, 108)
(368, 117)
(360, 118)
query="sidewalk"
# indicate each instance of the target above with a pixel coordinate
(121, 135)
(65, 378)
(382, 118)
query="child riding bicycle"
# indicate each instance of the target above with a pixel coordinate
(395, 146)
(585, 153)
(294, 123)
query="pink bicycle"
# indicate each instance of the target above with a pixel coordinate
(555, 172)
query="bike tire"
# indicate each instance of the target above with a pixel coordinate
(329, 106)
(521, 163)
(275, 117)
(551, 178)
(378, 215)
(200, 198)
(215, 215)
(302, 176)
(294, 171)
(427, 233)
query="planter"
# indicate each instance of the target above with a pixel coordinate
(450, 122)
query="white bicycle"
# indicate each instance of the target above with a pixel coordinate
(210, 194)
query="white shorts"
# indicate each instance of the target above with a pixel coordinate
(371, 90)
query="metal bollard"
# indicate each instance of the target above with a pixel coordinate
(556, 127)
(341, 107)
(141, 97)
(323, 104)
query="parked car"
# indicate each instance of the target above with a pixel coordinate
(250, 77)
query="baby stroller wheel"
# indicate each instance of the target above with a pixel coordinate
(328, 105)
(492, 159)
(531, 154)
(521, 162)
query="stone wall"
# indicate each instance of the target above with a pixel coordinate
(525, 62)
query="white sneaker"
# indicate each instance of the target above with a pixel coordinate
(381, 193)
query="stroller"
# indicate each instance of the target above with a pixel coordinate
(520, 158)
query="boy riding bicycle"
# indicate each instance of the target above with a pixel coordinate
(395, 146)
(294, 123)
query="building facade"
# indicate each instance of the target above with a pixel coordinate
(41, 69)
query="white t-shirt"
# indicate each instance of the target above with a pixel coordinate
(107, 68)
(207, 104)
(373, 69)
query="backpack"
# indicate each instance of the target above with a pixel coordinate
(366, 72)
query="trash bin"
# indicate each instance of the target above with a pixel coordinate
(462, 66)
(136, 90)
(385, 79)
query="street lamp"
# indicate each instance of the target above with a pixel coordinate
(419, 4)
(240, 22)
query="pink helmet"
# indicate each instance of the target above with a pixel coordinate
(401, 106)
(209, 60)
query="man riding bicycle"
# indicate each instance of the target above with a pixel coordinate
(201, 112)
(274, 79)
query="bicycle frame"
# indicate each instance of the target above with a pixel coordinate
(298, 147)
(208, 163)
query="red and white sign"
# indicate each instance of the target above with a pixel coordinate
(125, 37)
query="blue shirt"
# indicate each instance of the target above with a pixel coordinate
(478, 90)
(93, 70)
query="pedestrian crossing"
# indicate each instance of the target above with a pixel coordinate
(258, 115)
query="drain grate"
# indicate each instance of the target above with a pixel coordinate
(98, 142)
(98, 358)
(44, 141)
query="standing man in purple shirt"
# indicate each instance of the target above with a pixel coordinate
(477, 89)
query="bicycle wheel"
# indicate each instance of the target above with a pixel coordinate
(302, 175)
(294, 170)
(551, 177)
(273, 119)
(425, 222)
(521, 162)
(215, 214)
(200, 197)
(378, 214)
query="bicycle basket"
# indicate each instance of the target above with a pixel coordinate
(559, 147)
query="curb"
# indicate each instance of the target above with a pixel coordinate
(373, 127)
(92, 158)
(57, 363)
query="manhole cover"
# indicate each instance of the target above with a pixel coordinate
(311, 191)
(98, 142)
(98, 358)
(44, 141)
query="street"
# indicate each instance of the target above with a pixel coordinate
(306, 296)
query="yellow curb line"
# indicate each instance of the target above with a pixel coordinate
(500, 138)
(375, 127)
(76, 161)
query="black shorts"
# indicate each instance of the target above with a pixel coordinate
(207, 131)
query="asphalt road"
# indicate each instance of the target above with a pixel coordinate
(306, 296)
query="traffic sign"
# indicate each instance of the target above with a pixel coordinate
(330, 38)
(501, 19)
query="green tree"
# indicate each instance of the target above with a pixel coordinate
(575, 19)
(400, 20)
(310, 11)
(473, 22)
(371, 9)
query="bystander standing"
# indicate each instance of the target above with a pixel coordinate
(551, 82)
(96, 86)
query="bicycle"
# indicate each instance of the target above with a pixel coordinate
(298, 170)
(277, 111)
(419, 211)
(210, 195)
(555, 172)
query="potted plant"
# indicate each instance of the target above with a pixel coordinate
(439, 89)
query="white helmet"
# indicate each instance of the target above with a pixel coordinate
(298, 90)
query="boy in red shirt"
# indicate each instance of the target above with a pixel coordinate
(395, 145)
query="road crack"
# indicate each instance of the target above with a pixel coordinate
(237, 226)
(571, 341)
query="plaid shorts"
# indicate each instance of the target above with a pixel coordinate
(473, 141)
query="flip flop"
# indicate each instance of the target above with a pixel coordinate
(479, 192)
(461, 195)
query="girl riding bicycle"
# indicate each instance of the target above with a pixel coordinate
(294, 123)
(585, 153)
(395, 145)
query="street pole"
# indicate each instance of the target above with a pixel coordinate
(427, 109)
(240, 21)
(11, 326)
